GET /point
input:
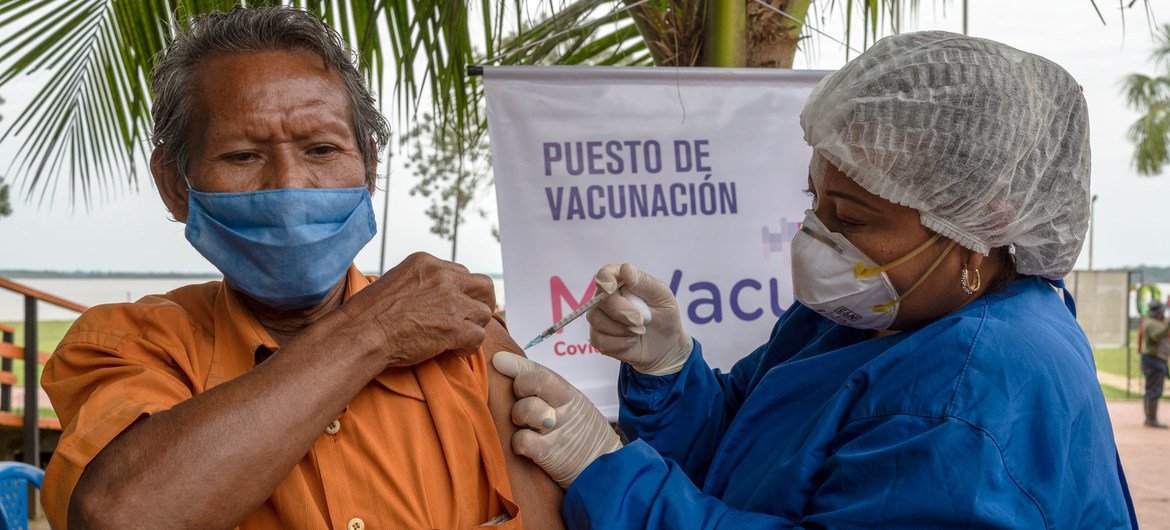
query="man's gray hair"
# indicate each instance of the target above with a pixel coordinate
(245, 30)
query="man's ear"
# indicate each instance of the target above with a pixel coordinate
(172, 187)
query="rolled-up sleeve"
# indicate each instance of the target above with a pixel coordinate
(107, 373)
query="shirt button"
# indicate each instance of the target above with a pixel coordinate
(356, 524)
(333, 427)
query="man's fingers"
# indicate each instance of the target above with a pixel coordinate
(534, 413)
(417, 259)
(480, 287)
(478, 314)
(468, 336)
(452, 266)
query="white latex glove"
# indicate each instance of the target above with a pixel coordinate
(564, 432)
(655, 346)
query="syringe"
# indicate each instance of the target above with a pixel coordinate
(633, 298)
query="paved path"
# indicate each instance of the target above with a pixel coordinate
(1145, 454)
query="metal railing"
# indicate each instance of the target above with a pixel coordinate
(32, 359)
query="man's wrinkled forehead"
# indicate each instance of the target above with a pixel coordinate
(248, 74)
(235, 89)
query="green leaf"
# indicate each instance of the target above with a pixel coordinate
(86, 131)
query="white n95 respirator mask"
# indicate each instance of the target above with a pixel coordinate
(837, 280)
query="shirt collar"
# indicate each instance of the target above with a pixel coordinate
(238, 336)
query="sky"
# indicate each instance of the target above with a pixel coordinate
(129, 231)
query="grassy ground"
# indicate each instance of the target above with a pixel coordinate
(1117, 393)
(45, 412)
(1113, 360)
(49, 333)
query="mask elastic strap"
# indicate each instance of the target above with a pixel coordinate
(861, 271)
(882, 308)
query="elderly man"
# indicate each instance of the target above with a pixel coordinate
(297, 393)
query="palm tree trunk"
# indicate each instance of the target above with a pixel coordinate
(455, 215)
(725, 34)
(771, 37)
(385, 221)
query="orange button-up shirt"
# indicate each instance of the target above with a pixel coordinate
(416, 448)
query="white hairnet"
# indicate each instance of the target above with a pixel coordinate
(990, 144)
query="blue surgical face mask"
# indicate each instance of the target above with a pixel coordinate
(286, 248)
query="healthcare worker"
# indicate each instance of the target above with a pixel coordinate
(931, 373)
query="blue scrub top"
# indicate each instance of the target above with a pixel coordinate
(990, 417)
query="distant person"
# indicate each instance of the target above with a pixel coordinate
(930, 374)
(297, 393)
(1155, 352)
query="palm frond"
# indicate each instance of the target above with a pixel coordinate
(1150, 135)
(1161, 45)
(89, 118)
(1142, 91)
(86, 130)
(582, 32)
(1150, 95)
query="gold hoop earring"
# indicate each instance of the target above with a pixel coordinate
(965, 282)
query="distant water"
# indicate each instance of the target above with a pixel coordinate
(94, 291)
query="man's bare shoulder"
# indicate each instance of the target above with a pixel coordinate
(538, 496)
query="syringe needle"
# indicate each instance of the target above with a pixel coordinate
(584, 308)
(539, 339)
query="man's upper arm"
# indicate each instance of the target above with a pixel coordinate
(538, 496)
(101, 380)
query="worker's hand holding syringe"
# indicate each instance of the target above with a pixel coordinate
(657, 345)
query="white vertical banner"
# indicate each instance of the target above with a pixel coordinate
(694, 175)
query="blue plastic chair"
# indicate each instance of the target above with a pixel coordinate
(14, 493)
